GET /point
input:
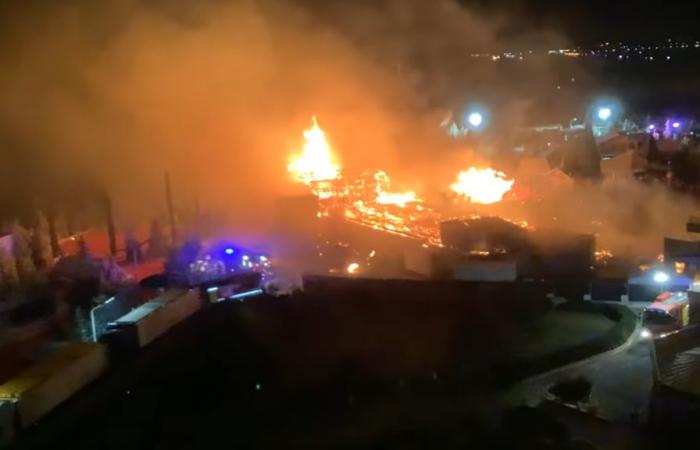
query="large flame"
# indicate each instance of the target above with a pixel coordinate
(482, 185)
(386, 197)
(316, 162)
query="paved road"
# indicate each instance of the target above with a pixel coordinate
(622, 381)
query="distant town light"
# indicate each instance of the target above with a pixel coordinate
(661, 277)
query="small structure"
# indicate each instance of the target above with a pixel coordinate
(683, 255)
(144, 324)
(52, 380)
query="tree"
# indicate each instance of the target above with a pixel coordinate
(41, 243)
(581, 157)
(133, 247)
(22, 252)
(8, 268)
(653, 153)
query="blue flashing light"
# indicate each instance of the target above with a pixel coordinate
(229, 251)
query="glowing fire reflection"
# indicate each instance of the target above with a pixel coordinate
(482, 185)
(316, 162)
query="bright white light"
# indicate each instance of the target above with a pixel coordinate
(651, 127)
(661, 277)
(676, 124)
(475, 119)
(604, 113)
(229, 251)
(645, 333)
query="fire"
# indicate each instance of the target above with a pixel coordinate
(366, 199)
(316, 162)
(482, 185)
(385, 197)
(396, 198)
(353, 267)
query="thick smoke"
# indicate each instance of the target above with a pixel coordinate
(110, 96)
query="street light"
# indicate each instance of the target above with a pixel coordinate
(604, 113)
(475, 119)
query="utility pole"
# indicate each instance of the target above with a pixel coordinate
(171, 211)
(109, 218)
(53, 235)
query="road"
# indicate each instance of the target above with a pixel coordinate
(621, 381)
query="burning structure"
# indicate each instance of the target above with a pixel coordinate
(367, 199)
(429, 243)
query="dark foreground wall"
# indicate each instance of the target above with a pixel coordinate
(383, 329)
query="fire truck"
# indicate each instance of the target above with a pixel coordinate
(669, 312)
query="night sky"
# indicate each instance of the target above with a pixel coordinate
(592, 21)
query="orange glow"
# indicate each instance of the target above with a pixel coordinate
(353, 268)
(482, 185)
(316, 162)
